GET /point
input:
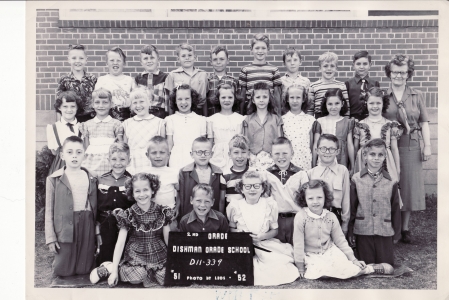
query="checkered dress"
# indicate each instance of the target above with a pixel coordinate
(145, 253)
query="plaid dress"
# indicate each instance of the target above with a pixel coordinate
(145, 252)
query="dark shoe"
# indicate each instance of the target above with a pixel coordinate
(383, 268)
(406, 237)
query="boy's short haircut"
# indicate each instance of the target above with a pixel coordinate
(239, 141)
(328, 57)
(203, 187)
(260, 37)
(139, 93)
(102, 94)
(218, 49)
(73, 139)
(69, 96)
(360, 54)
(119, 147)
(290, 52)
(149, 49)
(77, 47)
(201, 139)
(282, 141)
(157, 139)
(329, 137)
(117, 50)
(184, 46)
(374, 143)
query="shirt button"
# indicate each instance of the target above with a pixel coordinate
(115, 191)
(203, 229)
(374, 186)
(374, 200)
(114, 200)
(374, 215)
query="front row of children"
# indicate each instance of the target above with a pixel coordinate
(293, 220)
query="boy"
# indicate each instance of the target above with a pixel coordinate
(168, 193)
(219, 60)
(188, 74)
(335, 175)
(79, 81)
(154, 80)
(281, 153)
(111, 195)
(200, 171)
(202, 218)
(239, 154)
(292, 60)
(328, 67)
(375, 214)
(260, 71)
(358, 85)
(70, 212)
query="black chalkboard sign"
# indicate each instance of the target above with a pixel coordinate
(209, 259)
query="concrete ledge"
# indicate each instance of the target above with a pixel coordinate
(431, 189)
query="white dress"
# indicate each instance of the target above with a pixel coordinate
(270, 268)
(138, 133)
(184, 128)
(222, 128)
(298, 128)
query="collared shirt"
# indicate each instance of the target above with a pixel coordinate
(83, 88)
(261, 135)
(288, 81)
(215, 222)
(284, 194)
(156, 84)
(254, 73)
(337, 178)
(168, 177)
(96, 128)
(214, 82)
(198, 81)
(63, 132)
(353, 86)
(283, 176)
(317, 91)
(374, 205)
(112, 193)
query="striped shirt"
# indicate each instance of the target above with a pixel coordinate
(317, 91)
(228, 181)
(252, 74)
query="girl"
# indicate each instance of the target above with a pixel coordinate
(148, 226)
(67, 104)
(257, 214)
(320, 247)
(376, 126)
(333, 108)
(119, 84)
(140, 129)
(298, 125)
(221, 127)
(99, 133)
(261, 126)
(184, 125)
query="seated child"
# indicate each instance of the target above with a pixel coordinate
(200, 171)
(70, 213)
(320, 247)
(282, 152)
(257, 214)
(335, 175)
(202, 218)
(147, 224)
(167, 195)
(111, 195)
(154, 80)
(375, 214)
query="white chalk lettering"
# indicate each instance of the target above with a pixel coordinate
(188, 249)
(238, 250)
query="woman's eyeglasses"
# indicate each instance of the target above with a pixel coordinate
(325, 149)
(255, 185)
(396, 74)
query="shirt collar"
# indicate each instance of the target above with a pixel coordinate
(72, 76)
(63, 121)
(365, 171)
(291, 168)
(191, 167)
(149, 117)
(210, 215)
(315, 216)
(297, 75)
(154, 73)
(125, 174)
(358, 78)
(181, 70)
(333, 167)
(408, 91)
(189, 115)
(105, 120)
(215, 76)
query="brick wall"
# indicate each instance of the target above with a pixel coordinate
(382, 38)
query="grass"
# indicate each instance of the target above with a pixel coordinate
(420, 256)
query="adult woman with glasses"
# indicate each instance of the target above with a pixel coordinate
(408, 107)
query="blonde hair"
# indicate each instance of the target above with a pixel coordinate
(184, 46)
(328, 57)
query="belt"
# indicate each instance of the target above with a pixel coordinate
(287, 215)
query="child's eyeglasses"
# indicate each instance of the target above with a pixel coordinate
(325, 149)
(201, 152)
(396, 74)
(255, 185)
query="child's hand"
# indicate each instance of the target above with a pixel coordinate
(351, 240)
(395, 241)
(301, 275)
(256, 237)
(175, 211)
(99, 240)
(53, 247)
(113, 278)
(359, 263)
